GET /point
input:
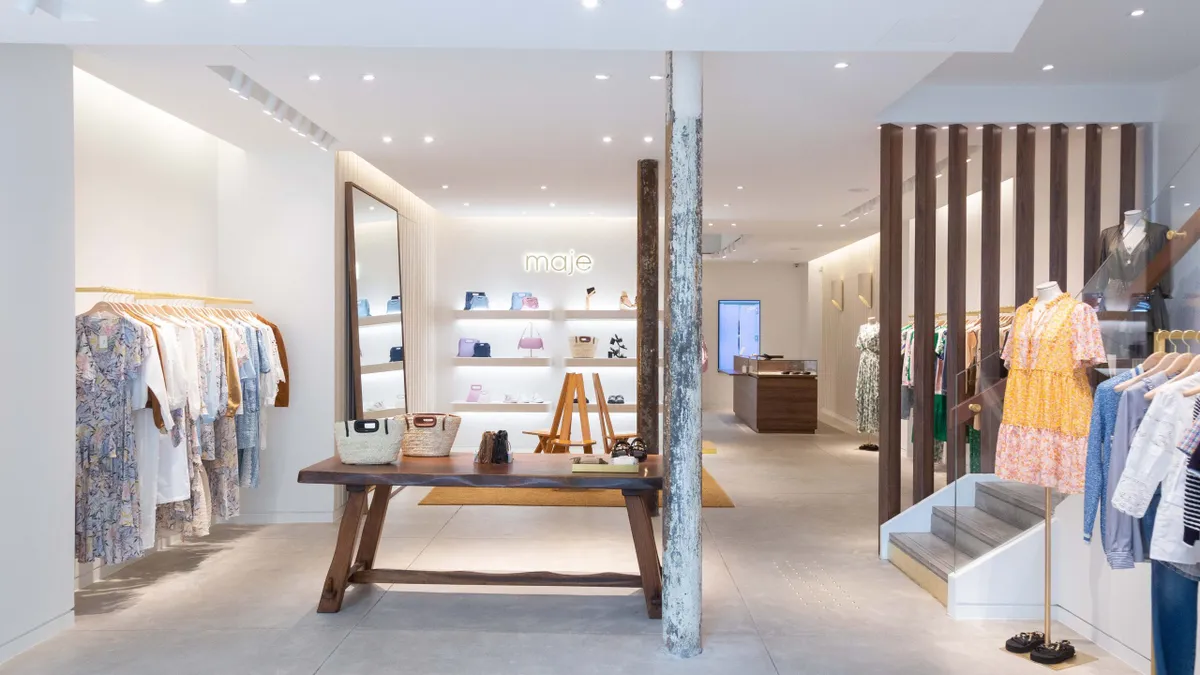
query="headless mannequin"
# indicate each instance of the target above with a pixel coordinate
(1133, 230)
(1044, 293)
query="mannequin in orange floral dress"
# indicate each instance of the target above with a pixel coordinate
(1048, 400)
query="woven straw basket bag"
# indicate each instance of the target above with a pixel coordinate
(430, 434)
(583, 347)
(368, 441)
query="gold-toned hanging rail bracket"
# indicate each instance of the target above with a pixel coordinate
(1173, 234)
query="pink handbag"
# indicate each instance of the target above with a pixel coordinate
(530, 302)
(531, 341)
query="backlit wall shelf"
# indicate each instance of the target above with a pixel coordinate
(600, 314)
(600, 363)
(383, 368)
(380, 320)
(503, 362)
(518, 314)
(465, 406)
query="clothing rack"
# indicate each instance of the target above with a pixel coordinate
(148, 295)
(1163, 336)
(1008, 309)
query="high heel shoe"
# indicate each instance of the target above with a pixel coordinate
(626, 303)
(588, 299)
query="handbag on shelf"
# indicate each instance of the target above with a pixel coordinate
(393, 305)
(530, 303)
(364, 307)
(396, 355)
(482, 350)
(487, 444)
(518, 299)
(476, 300)
(466, 346)
(429, 434)
(531, 341)
(368, 441)
(476, 391)
(583, 347)
(501, 450)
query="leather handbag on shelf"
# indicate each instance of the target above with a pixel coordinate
(483, 350)
(368, 441)
(475, 393)
(429, 434)
(476, 300)
(396, 355)
(530, 303)
(393, 305)
(518, 299)
(466, 346)
(486, 447)
(583, 347)
(501, 450)
(531, 341)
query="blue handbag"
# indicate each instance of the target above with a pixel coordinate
(393, 306)
(483, 350)
(364, 307)
(476, 300)
(518, 299)
(396, 355)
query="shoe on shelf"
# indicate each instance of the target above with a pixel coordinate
(1023, 643)
(525, 398)
(588, 298)
(509, 398)
(616, 399)
(537, 398)
(1053, 653)
(637, 449)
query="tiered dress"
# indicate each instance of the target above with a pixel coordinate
(866, 386)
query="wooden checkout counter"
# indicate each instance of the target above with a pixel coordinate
(770, 402)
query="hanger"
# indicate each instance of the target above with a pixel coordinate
(1162, 367)
(1186, 366)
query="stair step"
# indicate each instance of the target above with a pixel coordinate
(931, 551)
(1017, 504)
(971, 530)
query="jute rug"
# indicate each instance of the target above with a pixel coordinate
(712, 495)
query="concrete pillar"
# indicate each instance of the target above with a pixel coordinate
(681, 517)
(647, 289)
(37, 273)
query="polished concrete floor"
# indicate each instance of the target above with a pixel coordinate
(792, 584)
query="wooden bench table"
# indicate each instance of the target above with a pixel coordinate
(354, 554)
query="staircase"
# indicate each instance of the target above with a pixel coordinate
(959, 534)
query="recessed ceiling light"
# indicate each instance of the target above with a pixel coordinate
(740, 187)
(607, 139)
(968, 160)
(1046, 128)
(1013, 128)
(840, 65)
(938, 176)
(855, 218)
(552, 204)
(445, 187)
(710, 224)
(979, 128)
(237, 2)
(1079, 128)
(1137, 12)
(726, 206)
(1115, 127)
(368, 77)
(656, 78)
(543, 187)
(387, 139)
(648, 139)
(945, 128)
(912, 128)
(1048, 66)
(601, 76)
(429, 139)
(370, 208)
(591, 4)
(733, 224)
(315, 77)
(674, 4)
(820, 224)
(1172, 187)
(466, 203)
(842, 225)
(724, 257)
(754, 261)
(153, 2)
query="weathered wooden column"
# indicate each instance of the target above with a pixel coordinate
(891, 299)
(647, 313)
(681, 517)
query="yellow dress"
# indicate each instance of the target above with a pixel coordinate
(1048, 399)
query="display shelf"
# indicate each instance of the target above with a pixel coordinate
(518, 314)
(386, 412)
(517, 362)
(380, 320)
(465, 406)
(600, 363)
(600, 314)
(383, 368)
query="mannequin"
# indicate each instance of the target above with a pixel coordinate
(1123, 254)
(1133, 230)
(1044, 294)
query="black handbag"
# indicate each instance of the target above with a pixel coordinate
(396, 355)
(501, 451)
(483, 349)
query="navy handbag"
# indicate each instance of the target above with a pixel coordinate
(483, 349)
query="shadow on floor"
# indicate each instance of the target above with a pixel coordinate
(122, 589)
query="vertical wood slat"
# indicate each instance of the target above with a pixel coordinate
(647, 312)
(989, 289)
(891, 299)
(1128, 169)
(1060, 140)
(1023, 223)
(956, 297)
(924, 307)
(1092, 177)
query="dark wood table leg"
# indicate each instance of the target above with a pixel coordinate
(637, 503)
(373, 529)
(339, 570)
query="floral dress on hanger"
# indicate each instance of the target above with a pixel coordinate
(866, 386)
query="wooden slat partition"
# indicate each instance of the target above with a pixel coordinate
(1059, 147)
(956, 297)
(924, 307)
(1023, 198)
(1093, 161)
(891, 299)
(1128, 168)
(989, 287)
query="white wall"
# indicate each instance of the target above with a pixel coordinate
(783, 290)
(37, 483)
(145, 195)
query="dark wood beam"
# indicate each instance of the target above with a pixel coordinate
(891, 303)
(1023, 198)
(1093, 158)
(956, 297)
(1129, 142)
(1059, 152)
(989, 288)
(924, 307)
(647, 312)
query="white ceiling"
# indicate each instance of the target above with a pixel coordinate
(780, 121)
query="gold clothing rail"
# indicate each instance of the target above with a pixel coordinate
(1163, 336)
(1008, 309)
(152, 295)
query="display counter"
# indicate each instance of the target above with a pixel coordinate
(776, 396)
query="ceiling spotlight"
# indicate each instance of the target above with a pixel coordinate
(656, 78)
(648, 139)
(733, 224)
(1115, 127)
(1046, 128)
(841, 65)
(270, 105)
(370, 208)
(945, 128)
(979, 128)
(754, 261)
(552, 205)
(740, 187)
(466, 203)
(303, 127)
(1171, 186)
(591, 4)
(607, 139)
(674, 4)
(857, 217)
(1079, 128)
(543, 187)
(723, 256)
(315, 77)
(326, 141)
(842, 225)
(710, 224)
(369, 77)
(938, 176)
(153, 2)
(601, 76)
(237, 2)
(820, 224)
(237, 81)
(316, 138)
(726, 206)
(387, 139)
(428, 139)
(968, 160)
(445, 187)
(1137, 12)
(1013, 128)
(281, 113)
(1048, 66)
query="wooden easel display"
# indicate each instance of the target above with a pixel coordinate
(558, 437)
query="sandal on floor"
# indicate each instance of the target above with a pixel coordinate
(1023, 643)
(1053, 653)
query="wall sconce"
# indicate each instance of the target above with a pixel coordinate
(866, 286)
(837, 293)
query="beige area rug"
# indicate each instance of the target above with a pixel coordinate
(712, 495)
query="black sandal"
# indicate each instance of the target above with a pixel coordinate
(1023, 643)
(637, 449)
(621, 448)
(1053, 653)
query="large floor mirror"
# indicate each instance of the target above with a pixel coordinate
(375, 308)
